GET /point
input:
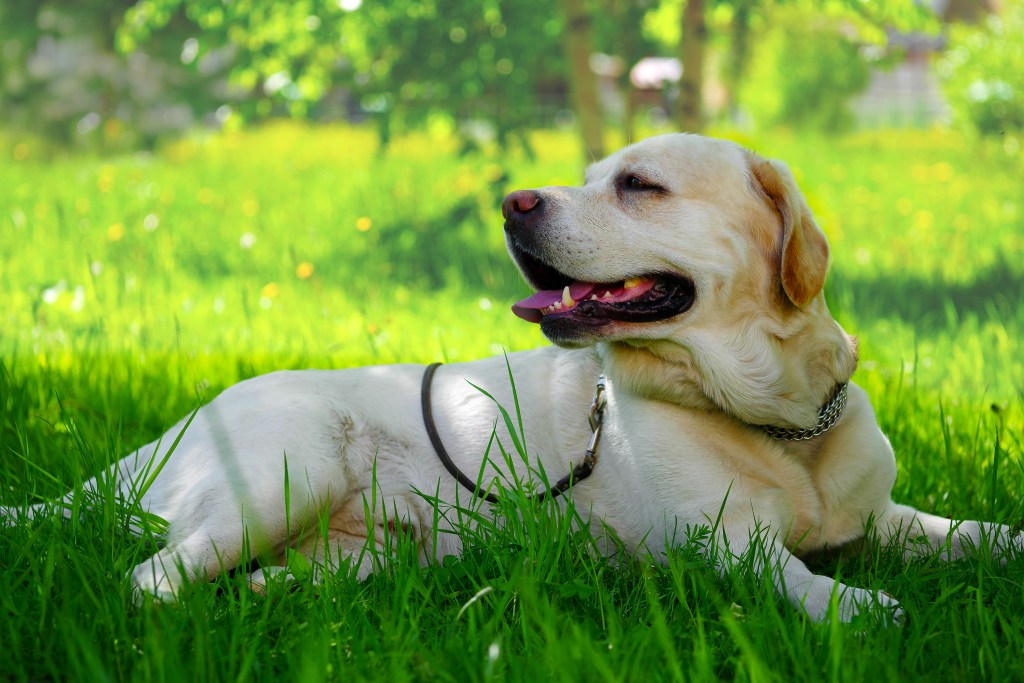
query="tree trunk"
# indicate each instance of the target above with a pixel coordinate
(582, 83)
(694, 38)
(739, 59)
(629, 51)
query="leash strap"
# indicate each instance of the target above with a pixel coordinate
(579, 472)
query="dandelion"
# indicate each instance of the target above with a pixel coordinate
(115, 232)
(485, 303)
(95, 268)
(863, 256)
(363, 223)
(270, 290)
(924, 220)
(105, 183)
(304, 270)
(250, 207)
(494, 173)
(943, 171)
(247, 240)
(21, 151)
(151, 222)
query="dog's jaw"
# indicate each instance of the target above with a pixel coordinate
(759, 384)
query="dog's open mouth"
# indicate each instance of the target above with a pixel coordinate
(644, 298)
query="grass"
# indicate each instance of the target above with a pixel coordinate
(137, 287)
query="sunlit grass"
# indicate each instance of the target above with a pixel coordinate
(136, 287)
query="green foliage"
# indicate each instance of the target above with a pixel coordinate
(165, 301)
(405, 62)
(60, 76)
(804, 73)
(983, 74)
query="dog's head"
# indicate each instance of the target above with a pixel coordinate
(689, 250)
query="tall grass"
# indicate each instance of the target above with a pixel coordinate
(136, 287)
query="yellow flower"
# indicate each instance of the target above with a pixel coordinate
(304, 270)
(115, 232)
(21, 151)
(105, 182)
(944, 172)
(494, 173)
(363, 223)
(270, 290)
(924, 220)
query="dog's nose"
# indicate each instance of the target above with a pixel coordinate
(519, 202)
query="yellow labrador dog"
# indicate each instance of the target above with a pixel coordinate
(686, 270)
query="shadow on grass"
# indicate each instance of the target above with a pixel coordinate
(930, 304)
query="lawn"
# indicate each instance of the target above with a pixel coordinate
(139, 286)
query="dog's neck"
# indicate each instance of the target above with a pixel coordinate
(771, 377)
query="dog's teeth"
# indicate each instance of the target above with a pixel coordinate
(557, 305)
(593, 297)
(566, 299)
(632, 282)
(607, 295)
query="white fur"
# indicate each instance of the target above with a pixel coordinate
(679, 448)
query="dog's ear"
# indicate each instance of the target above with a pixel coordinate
(804, 247)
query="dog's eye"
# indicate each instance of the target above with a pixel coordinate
(638, 184)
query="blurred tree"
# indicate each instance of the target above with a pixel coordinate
(406, 62)
(983, 76)
(452, 64)
(579, 46)
(61, 76)
(806, 73)
(692, 48)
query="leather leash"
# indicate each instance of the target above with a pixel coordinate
(579, 472)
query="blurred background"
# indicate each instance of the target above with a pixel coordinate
(117, 75)
(196, 191)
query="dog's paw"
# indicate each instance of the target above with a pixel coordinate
(862, 605)
(828, 600)
(151, 583)
(266, 576)
(9, 517)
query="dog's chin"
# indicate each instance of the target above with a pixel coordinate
(574, 331)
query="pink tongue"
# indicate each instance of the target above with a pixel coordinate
(529, 308)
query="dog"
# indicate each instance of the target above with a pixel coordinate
(688, 272)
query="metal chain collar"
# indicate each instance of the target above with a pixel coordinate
(828, 416)
(596, 417)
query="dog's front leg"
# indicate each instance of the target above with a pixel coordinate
(804, 589)
(919, 534)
